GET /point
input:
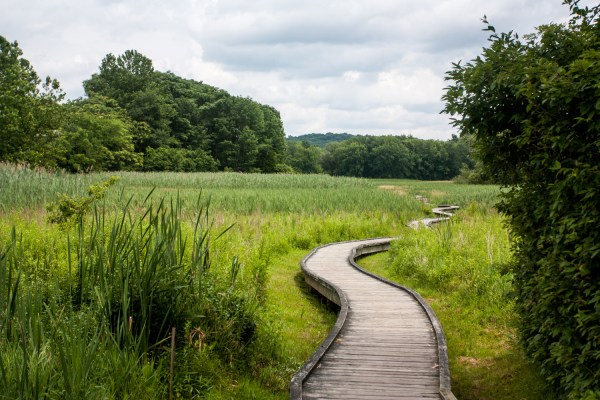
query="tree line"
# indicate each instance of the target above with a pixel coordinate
(136, 118)
(401, 157)
(320, 139)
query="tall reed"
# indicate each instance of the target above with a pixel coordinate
(132, 276)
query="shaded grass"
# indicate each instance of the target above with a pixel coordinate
(306, 318)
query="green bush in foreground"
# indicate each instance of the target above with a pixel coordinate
(532, 108)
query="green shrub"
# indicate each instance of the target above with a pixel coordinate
(67, 208)
(173, 159)
(532, 107)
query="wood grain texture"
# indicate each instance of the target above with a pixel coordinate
(387, 342)
(387, 347)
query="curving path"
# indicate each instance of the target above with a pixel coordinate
(387, 342)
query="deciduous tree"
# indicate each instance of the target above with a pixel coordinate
(96, 135)
(29, 109)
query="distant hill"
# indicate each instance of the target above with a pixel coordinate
(320, 139)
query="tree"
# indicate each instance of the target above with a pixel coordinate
(271, 147)
(121, 77)
(183, 160)
(304, 157)
(153, 107)
(97, 135)
(247, 151)
(29, 110)
(182, 120)
(390, 159)
(345, 158)
(401, 157)
(131, 81)
(531, 105)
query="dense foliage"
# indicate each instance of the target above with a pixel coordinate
(304, 157)
(188, 125)
(319, 139)
(397, 157)
(401, 157)
(29, 113)
(531, 105)
(134, 118)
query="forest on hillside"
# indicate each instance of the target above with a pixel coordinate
(134, 117)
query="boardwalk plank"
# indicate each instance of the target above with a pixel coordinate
(386, 348)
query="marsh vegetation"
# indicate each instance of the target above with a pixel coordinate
(88, 305)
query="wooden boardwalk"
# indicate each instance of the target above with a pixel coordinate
(387, 342)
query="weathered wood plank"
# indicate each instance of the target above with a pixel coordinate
(425, 382)
(387, 392)
(385, 348)
(384, 369)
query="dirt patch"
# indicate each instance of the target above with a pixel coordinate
(399, 190)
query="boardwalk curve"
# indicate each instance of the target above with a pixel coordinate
(387, 342)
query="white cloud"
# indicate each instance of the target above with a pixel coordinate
(351, 76)
(343, 65)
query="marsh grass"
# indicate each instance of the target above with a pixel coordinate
(108, 290)
(25, 189)
(22, 187)
(481, 197)
(129, 278)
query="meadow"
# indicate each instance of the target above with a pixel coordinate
(188, 285)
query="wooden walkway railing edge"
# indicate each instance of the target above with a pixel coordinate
(331, 292)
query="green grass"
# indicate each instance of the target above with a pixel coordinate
(24, 189)
(443, 192)
(305, 319)
(254, 278)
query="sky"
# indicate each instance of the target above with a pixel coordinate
(356, 66)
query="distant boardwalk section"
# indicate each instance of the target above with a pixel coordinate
(387, 342)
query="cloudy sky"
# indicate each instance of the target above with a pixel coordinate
(357, 66)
